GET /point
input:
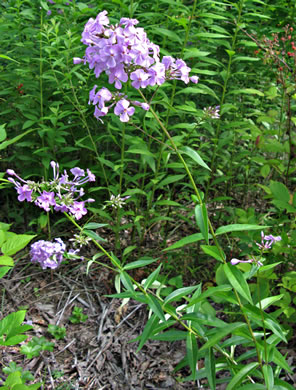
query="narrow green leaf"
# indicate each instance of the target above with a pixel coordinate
(237, 280)
(155, 307)
(152, 277)
(94, 225)
(211, 291)
(139, 263)
(3, 134)
(185, 241)
(93, 235)
(170, 335)
(191, 348)
(238, 228)
(8, 58)
(201, 217)
(221, 333)
(179, 293)
(240, 376)
(213, 251)
(194, 155)
(210, 366)
(268, 376)
(126, 281)
(148, 330)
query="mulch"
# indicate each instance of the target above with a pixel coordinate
(96, 354)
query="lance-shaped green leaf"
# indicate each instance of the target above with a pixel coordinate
(191, 348)
(179, 293)
(148, 330)
(237, 280)
(185, 241)
(268, 376)
(201, 216)
(240, 376)
(155, 307)
(220, 333)
(152, 277)
(139, 263)
(210, 366)
(214, 252)
(194, 155)
(126, 281)
(209, 293)
(170, 335)
(238, 228)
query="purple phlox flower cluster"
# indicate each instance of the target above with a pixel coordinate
(212, 112)
(123, 52)
(267, 241)
(253, 260)
(60, 194)
(48, 254)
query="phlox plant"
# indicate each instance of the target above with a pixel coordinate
(132, 64)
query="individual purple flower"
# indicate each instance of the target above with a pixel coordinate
(123, 110)
(118, 75)
(25, 193)
(77, 172)
(102, 96)
(91, 176)
(139, 78)
(194, 79)
(77, 60)
(45, 200)
(267, 241)
(48, 13)
(144, 106)
(236, 261)
(78, 209)
(48, 254)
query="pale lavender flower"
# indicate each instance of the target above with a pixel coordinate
(77, 60)
(45, 200)
(77, 172)
(194, 79)
(78, 209)
(139, 78)
(25, 193)
(48, 254)
(123, 110)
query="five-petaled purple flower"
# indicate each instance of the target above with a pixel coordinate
(123, 110)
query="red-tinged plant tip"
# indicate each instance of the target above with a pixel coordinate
(257, 140)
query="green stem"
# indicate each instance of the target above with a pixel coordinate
(187, 171)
